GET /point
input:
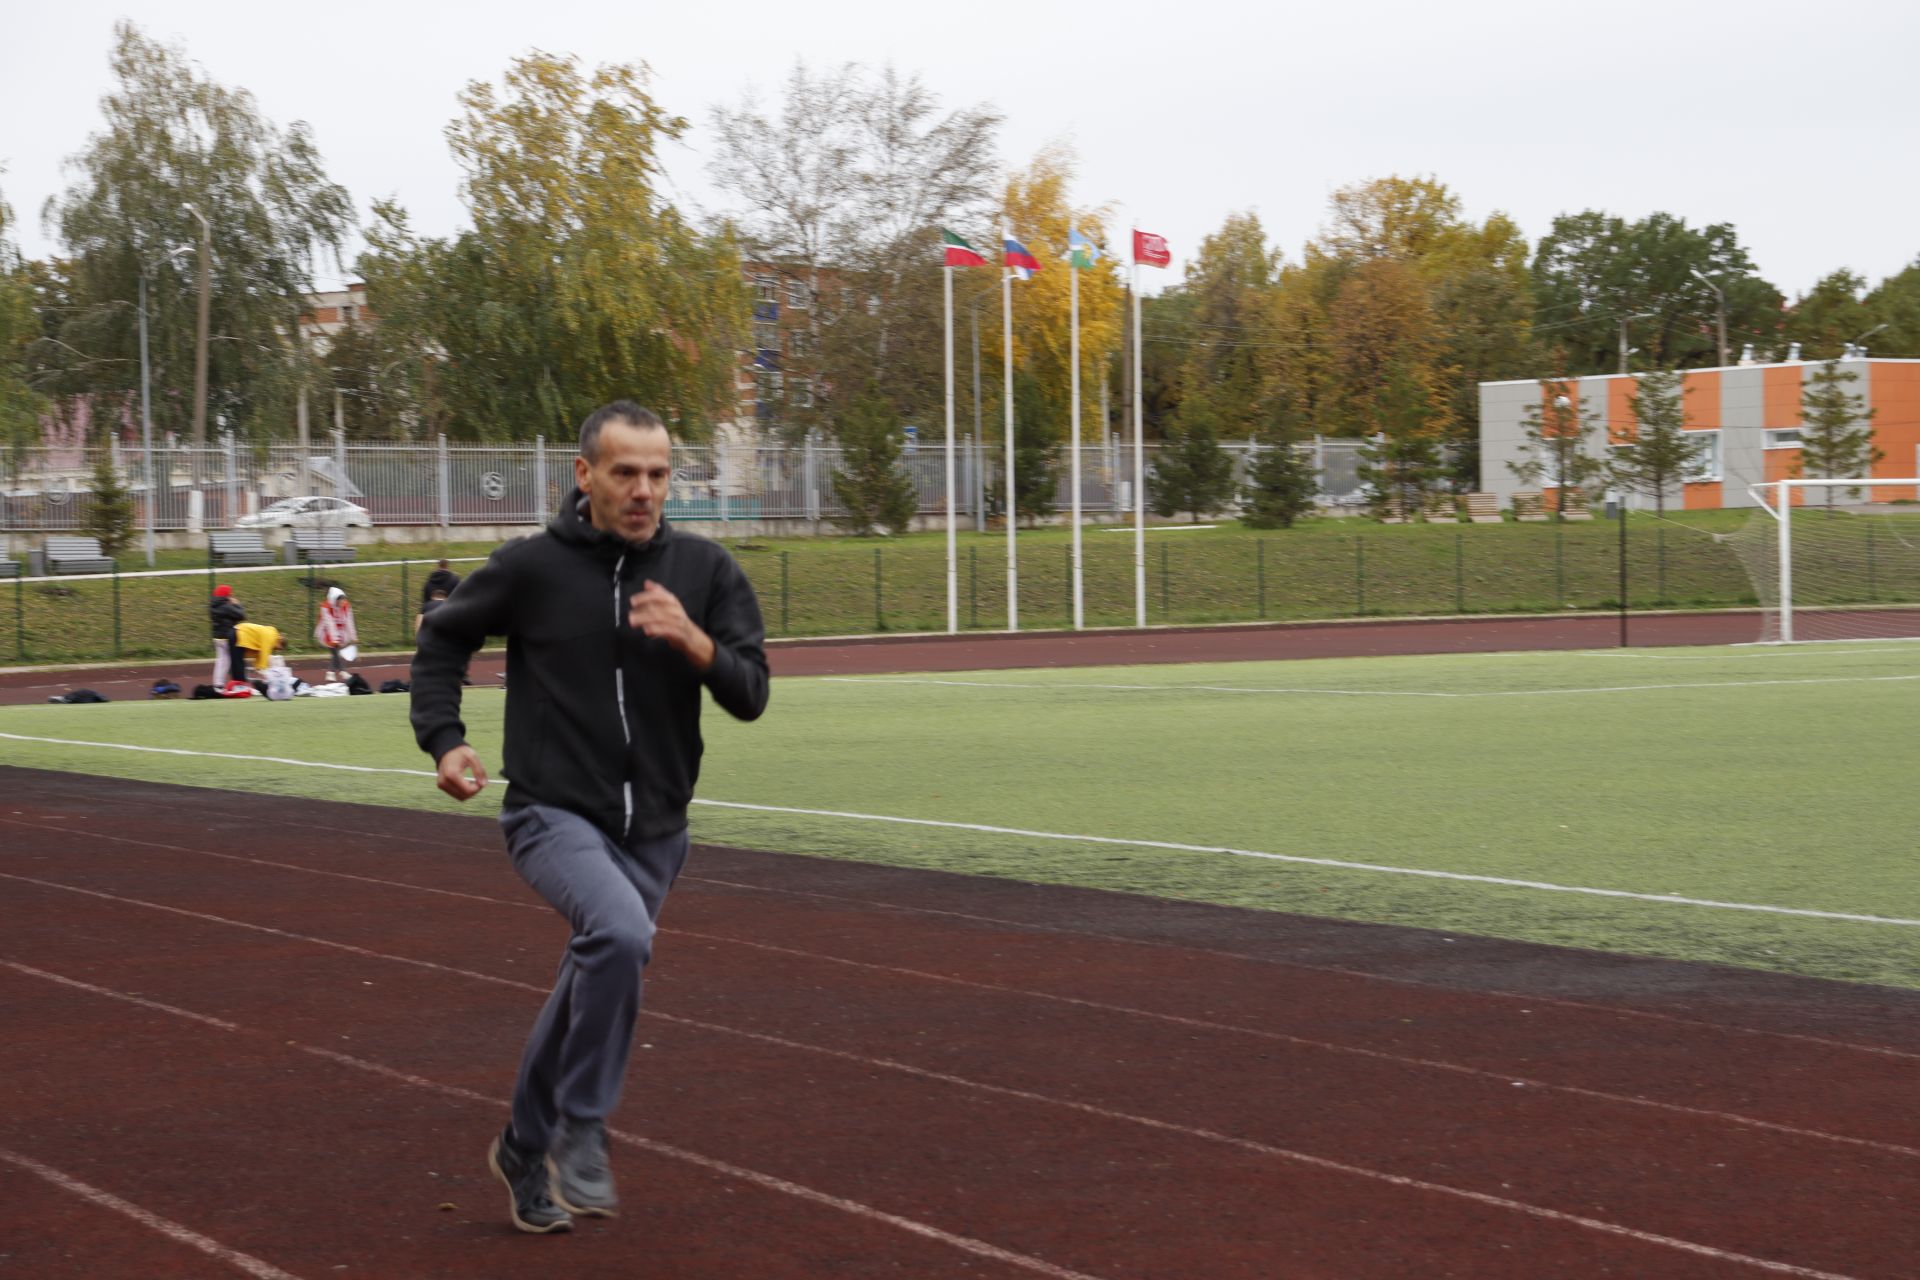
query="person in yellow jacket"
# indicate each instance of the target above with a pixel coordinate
(259, 642)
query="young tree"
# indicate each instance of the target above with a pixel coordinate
(110, 515)
(1836, 429)
(1402, 462)
(869, 481)
(1557, 433)
(1192, 473)
(1662, 453)
(1280, 487)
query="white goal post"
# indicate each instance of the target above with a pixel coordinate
(1845, 565)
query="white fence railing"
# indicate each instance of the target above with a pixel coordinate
(442, 484)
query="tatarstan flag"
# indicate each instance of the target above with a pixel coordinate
(959, 252)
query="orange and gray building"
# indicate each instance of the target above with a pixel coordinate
(1748, 416)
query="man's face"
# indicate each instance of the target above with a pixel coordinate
(626, 484)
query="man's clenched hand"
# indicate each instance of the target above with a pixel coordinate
(657, 612)
(452, 773)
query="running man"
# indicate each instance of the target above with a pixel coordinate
(614, 622)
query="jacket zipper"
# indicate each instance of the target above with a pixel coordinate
(620, 697)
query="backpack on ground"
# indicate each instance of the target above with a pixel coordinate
(357, 683)
(395, 686)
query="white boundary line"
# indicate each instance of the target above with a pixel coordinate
(767, 1181)
(1169, 845)
(1026, 992)
(1246, 1144)
(244, 1262)
(1069, 685)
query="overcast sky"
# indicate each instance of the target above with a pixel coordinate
(1798, 127)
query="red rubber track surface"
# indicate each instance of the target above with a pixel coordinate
(850, 1070)
(874, 655)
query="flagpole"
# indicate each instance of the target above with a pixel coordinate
(1139, 466)
(1079, 611)
(1006, 349)
(953, 563)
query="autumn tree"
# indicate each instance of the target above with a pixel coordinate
(1894, 304)
(1836, 429)
(1557, 433)
(1830, 316)
(578, 282)
(173, 136)
(20, 404)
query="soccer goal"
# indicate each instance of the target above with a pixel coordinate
(1839, 560)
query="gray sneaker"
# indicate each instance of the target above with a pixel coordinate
(528, 1204)
(577, 1169)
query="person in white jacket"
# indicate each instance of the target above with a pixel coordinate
(336, 631)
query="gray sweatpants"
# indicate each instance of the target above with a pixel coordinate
(576, 1058)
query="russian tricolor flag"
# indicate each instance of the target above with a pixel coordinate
(1019, 261)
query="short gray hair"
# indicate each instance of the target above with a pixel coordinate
(614, 411)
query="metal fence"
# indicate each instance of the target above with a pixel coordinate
(51, 489)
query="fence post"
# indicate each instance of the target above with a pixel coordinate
(786, 626)
(1260, 571)
(1359, 576)
(19, 620)
(403, 601)
(973, 586)
(540, 481)
(1872, 593)
(1066, 559)
(339, 462)
(1660, 545)
(720, 480)
(1166, 606)
(232, 504)
(879, 615)
(442, 482)
(116, 609)
(1559, 563)
(1459, 572)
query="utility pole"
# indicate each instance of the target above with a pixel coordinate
(200, 344)
(1720, 307)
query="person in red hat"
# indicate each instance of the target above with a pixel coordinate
(228, 662)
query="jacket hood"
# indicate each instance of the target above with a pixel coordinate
(573, 525)
(335, 595)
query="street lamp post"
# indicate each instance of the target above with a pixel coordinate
(146, 404)
(200, 345)
(1720, 308)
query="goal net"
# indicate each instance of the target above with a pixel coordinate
(1835, 559)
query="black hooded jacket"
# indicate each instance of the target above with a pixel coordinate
(224, 611)
(601, 720)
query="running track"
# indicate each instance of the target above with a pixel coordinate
(1000, 651)
(252, 1035)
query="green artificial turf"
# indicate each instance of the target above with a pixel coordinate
(1760, 776)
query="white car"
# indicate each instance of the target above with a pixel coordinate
(308, 513)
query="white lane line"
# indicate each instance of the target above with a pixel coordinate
(1074, 685)
(1362, 975)
(1506, 1078)
(242, 1262)
(1246, 1144)
(979, 1248)
(1123, 842)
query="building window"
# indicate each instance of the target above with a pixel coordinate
(766, 337)
(346, 313)
(799, 343)
(1784, 438)
(766, 288)
(802, 393)
(1706, 464)
(797, 295)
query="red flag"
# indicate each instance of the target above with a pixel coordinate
(1151, 249)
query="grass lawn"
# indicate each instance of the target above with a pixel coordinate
(1324, 568)
(1752, 778)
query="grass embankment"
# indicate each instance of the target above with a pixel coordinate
(841, 586)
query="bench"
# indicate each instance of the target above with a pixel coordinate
(319, 546)
(9, 568)
(1573, 505)
(237, 547)
(1530, 507)
(1392, 511)
(1441, 508)
(1483, 508)
(77, 555)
